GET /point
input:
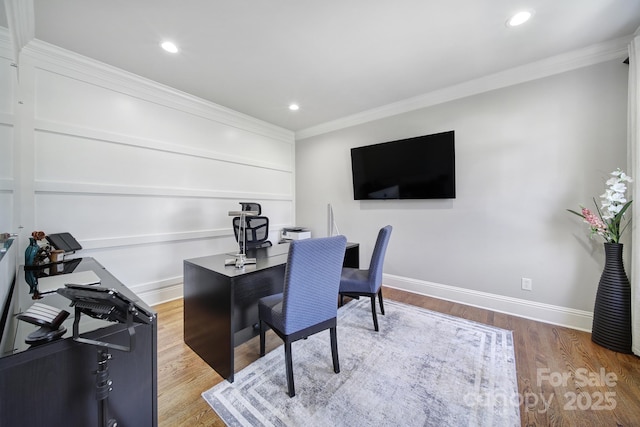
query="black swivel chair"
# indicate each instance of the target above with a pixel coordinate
(256, 228)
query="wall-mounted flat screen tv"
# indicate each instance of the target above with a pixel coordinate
(422, 167)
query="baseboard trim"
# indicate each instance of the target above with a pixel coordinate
(556, 315)
(547, 313)
(165, 292)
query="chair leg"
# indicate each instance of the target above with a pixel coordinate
(334, 349)
(380, 299)
(289, 365)
(262, 332)
(373, 312)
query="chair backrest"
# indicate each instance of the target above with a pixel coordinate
(256, 231)
(251, 206)
(312, 281)
(377, 258)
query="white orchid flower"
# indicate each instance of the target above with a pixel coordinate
(619, 187)
(614, 203)
(621, 176)
(614, 209)
(616, 198)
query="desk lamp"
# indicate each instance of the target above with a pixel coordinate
(240, 259)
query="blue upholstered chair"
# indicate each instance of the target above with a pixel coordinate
(307, 304)
(356, 283)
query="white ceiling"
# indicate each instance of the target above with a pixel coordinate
(333, 57)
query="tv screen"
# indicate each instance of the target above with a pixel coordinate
(422, 167)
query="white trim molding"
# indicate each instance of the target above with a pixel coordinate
(56, 59)
(6, 45)
(159, 292)
(591, 55)
(64, 187)
(6, 185)
(547, 313)
(21, 20)
(48, 126)
(178, 236)
(171, 289)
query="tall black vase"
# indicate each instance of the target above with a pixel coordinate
(612, 310)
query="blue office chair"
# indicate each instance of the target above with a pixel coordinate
(356, 283)
(307, 304)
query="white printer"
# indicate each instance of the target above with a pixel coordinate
(295, 233)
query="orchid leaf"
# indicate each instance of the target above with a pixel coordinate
(576, 213)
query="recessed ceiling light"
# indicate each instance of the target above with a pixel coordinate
(169, 47)
(519, 18)
(294, 107)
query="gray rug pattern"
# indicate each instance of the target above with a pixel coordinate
(422, 369)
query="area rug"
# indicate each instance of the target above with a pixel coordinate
(422, 369)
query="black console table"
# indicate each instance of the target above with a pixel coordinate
(55, 383)
(221, 302)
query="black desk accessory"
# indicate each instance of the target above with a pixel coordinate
(68, 266)
(110, 305)
(48, 318)
(34, 272)
(64, 241)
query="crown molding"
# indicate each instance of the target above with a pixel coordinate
(49, 57)
(6, 48)
(591, 55)
(21, 20)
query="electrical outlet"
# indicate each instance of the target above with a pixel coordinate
(527, 284)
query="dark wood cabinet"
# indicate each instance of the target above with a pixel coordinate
(55, 383)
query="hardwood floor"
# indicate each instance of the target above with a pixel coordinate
(563, 378)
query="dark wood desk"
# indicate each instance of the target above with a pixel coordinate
(221, 302)
(55, 383)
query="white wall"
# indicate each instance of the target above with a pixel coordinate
(7, 120)
(142, 175)
(524, 154)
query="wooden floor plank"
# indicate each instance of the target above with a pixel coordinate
(543, 352)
